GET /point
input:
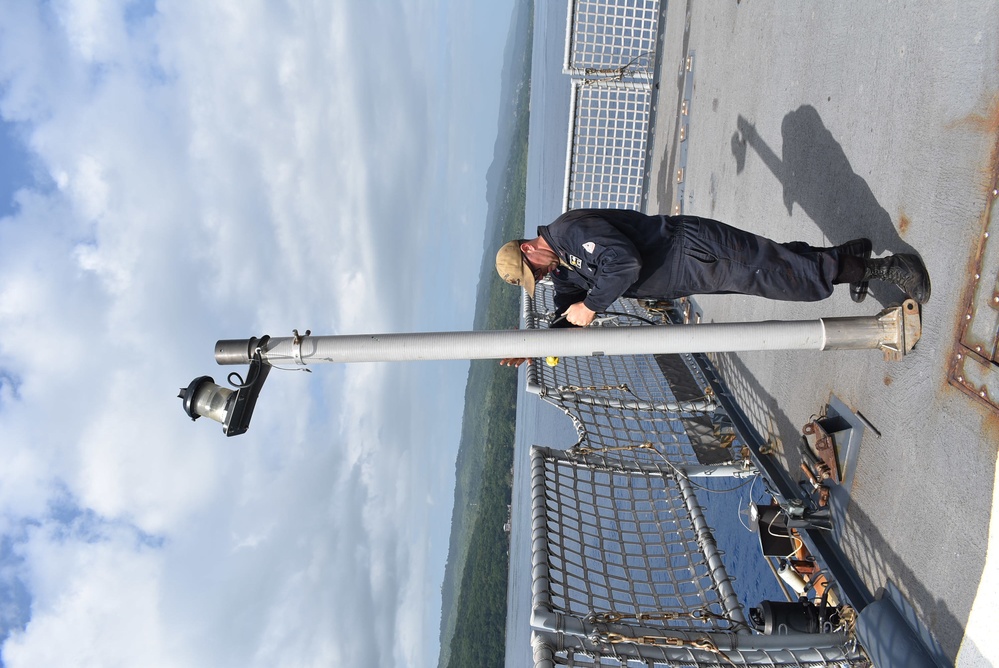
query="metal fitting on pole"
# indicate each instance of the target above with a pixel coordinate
(894, 331)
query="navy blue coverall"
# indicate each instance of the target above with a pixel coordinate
(608, 253)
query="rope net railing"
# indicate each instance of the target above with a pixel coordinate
(626, 408)
(621, 545)
(577, 652)
(625, 570)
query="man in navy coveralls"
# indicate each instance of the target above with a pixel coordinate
(597, 255)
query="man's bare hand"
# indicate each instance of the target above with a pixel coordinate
(578, 314)
(514, 361)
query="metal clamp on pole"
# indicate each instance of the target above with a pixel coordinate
(296, 345)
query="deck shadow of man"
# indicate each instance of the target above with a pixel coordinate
(816, 174)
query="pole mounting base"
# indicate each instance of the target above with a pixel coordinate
(902, 327)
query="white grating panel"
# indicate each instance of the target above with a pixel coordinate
(607, 35)
(608, 145)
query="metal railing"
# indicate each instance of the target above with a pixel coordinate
(610, 55)
(624, 566)
(611, 37)
(625, 569)
(609, 135)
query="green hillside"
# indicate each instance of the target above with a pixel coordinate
(473, 621)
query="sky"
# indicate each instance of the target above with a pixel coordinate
(177, 172)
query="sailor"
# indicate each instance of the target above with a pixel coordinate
(595, 256)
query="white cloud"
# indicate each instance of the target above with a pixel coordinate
(224, 170)
(97, 600)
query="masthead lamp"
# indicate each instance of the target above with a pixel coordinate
(230, 407)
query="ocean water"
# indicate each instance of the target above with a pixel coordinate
(549, 127)
(539, 423)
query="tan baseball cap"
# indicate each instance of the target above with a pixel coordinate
(513, 268)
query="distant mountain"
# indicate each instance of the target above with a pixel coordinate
(515, 94)
(473, 612)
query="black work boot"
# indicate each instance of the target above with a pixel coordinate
(905, 270)
(858, 248)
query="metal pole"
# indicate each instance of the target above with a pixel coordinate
(725, 470)
(740, 649)
(569, 34)
(695, 406)
(886, 331)
(570, 144)
(716, 568)
(540, 558)
(544, 656)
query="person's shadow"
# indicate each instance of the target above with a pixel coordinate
(817, 176)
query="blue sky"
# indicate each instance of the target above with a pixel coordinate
(177, 172)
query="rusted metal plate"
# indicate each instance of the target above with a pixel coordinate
(977, 377)
(975, 368)
(822, 442)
